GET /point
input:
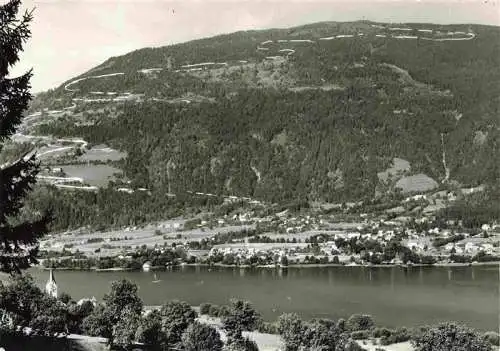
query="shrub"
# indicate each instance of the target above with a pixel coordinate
(492, 337)
(242, 316)
(98, 323)
(224, 311)
(123, 295)
(76, 314)
(380, 332)
(124, 330)
(65, 297)
(201, 337)
(384, 340)
(51, 316)
(316, 335)
(268, 328)
(359, 322)
(484, 257)
(205, 308)
(352, 345)
(237, 342)
(360, 334)
(341, 324)
(290, 328)
(399, 335)
(176, 317)
(451, 336)
(149, 330)
(213, 311)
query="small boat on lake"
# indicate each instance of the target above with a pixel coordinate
(156, 279)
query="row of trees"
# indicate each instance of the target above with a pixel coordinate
(120, 318)
(160, 257)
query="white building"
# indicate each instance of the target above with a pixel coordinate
(486, 227)
(414, 245)
(488, 248)
(471, 247)
(449, 246)
(51, 286)
(146, 267)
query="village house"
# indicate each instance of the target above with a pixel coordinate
(415, 245)
(471, 248)
(459, 249)
(486, 227)
(416, 198)
(146, 267)
(448, 247)
(487, 248)
(353, 235)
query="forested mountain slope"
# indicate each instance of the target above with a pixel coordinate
(312, 112)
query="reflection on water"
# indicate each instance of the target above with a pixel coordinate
(394, 296)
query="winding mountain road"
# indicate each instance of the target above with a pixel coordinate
(262, 47)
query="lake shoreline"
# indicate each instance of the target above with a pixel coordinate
(319, 265)
(336, 292)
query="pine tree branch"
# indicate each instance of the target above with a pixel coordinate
(9, 11)
(15, 181)
(27, 233)
(18, 242)
(14, 100)
(13, 263)
(13, 34)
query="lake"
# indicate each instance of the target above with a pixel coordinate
(394, 296)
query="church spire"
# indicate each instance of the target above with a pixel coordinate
(51, 276)
(51, 286)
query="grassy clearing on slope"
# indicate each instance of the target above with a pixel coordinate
(416, 183)
(98, 175)
(398, 166)
(102, 153)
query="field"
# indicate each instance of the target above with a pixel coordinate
(53, 151)
(102, 153)
(98, 175)
(398, 166)
(369, 345)
(135, 237)
(416, 183)
(307, 234)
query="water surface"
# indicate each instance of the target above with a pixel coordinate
(394, 296)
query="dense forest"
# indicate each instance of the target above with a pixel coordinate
(108, 208)
(315, 125)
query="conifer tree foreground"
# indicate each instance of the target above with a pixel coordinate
(18, 239)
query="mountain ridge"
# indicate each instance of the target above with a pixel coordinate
(260, 31)
(260, 114)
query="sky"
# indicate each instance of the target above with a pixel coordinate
(70, 37)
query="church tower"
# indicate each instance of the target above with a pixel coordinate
(51, 286)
